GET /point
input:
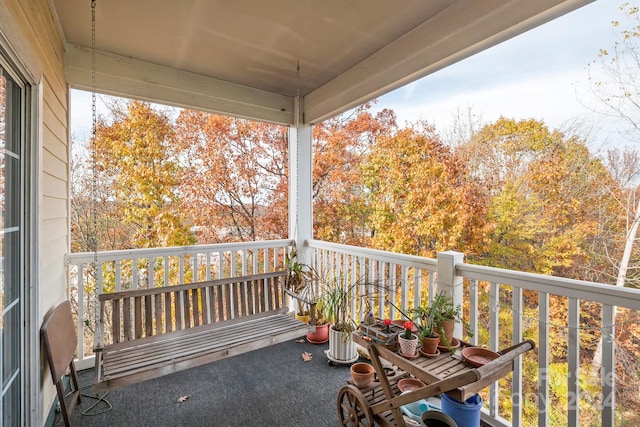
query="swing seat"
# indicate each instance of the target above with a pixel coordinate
(159, 331)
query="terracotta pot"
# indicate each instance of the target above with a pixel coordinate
(320, 336)
(430, 344)
(408, 347)
(446, 326)
(362, 374)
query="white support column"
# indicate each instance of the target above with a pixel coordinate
(300, 184)
(449, 282)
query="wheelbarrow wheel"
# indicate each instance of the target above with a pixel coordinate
(353, 409)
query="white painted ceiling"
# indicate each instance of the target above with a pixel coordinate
(241, 57)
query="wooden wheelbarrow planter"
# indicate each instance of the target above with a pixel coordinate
(381, 404)
(159, 331)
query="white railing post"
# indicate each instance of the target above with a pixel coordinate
(448, 282)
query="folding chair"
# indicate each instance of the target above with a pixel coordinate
(60, 341)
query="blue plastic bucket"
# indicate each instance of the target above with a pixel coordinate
(465, 414)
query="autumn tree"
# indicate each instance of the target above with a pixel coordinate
(546, 194)
(614, 82)
(233, 176)
(614, 77)
(94, 215)
(422, 198)
(136, 165)
(341, 146)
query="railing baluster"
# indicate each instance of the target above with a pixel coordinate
(118, 284)
(244, 262)
(473, 310)
(608, 364)
(166, 271)
(404, 295)
(543, 359)
(181, 268)
(194, 267)
(573, 356)
(494, 322)
(134, 273)
(82, 310)
(432, 285)
(233, 263)
(151, 275)
(393, 282)
(417, 286)
(516, 379)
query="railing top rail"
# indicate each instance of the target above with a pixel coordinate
(391, 257)
(85, 257)
(588, 291)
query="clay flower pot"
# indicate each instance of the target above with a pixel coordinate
(320, 336)
(408, 347)
(447, 326)
(430, 344)
(362, 374)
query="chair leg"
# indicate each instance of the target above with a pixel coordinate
(74, 379)
(67, 410)
(63, 404)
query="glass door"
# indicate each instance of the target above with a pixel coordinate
(12, 308)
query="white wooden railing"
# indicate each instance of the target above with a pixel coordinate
(499, 303)
(144, 268)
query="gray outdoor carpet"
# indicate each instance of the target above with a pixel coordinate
(272, 386)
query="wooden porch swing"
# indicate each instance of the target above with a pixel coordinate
(159, 331)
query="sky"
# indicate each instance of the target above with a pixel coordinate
(540, 74)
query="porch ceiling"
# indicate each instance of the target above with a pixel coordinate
(240, 57)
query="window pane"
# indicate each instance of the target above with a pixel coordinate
(9, 265)
(11, 404)
(11, 117)
(10, 201)
(10, 344)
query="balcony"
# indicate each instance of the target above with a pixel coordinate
(544, 388)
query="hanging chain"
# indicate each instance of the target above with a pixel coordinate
(94, 118)
(297, 123)
(94, 183)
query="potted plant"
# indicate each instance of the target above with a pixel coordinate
(336, 295)
(408, 340)
(299, 285)
(335, 298)
(446, 315)
(319, 318)
(425, 319)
